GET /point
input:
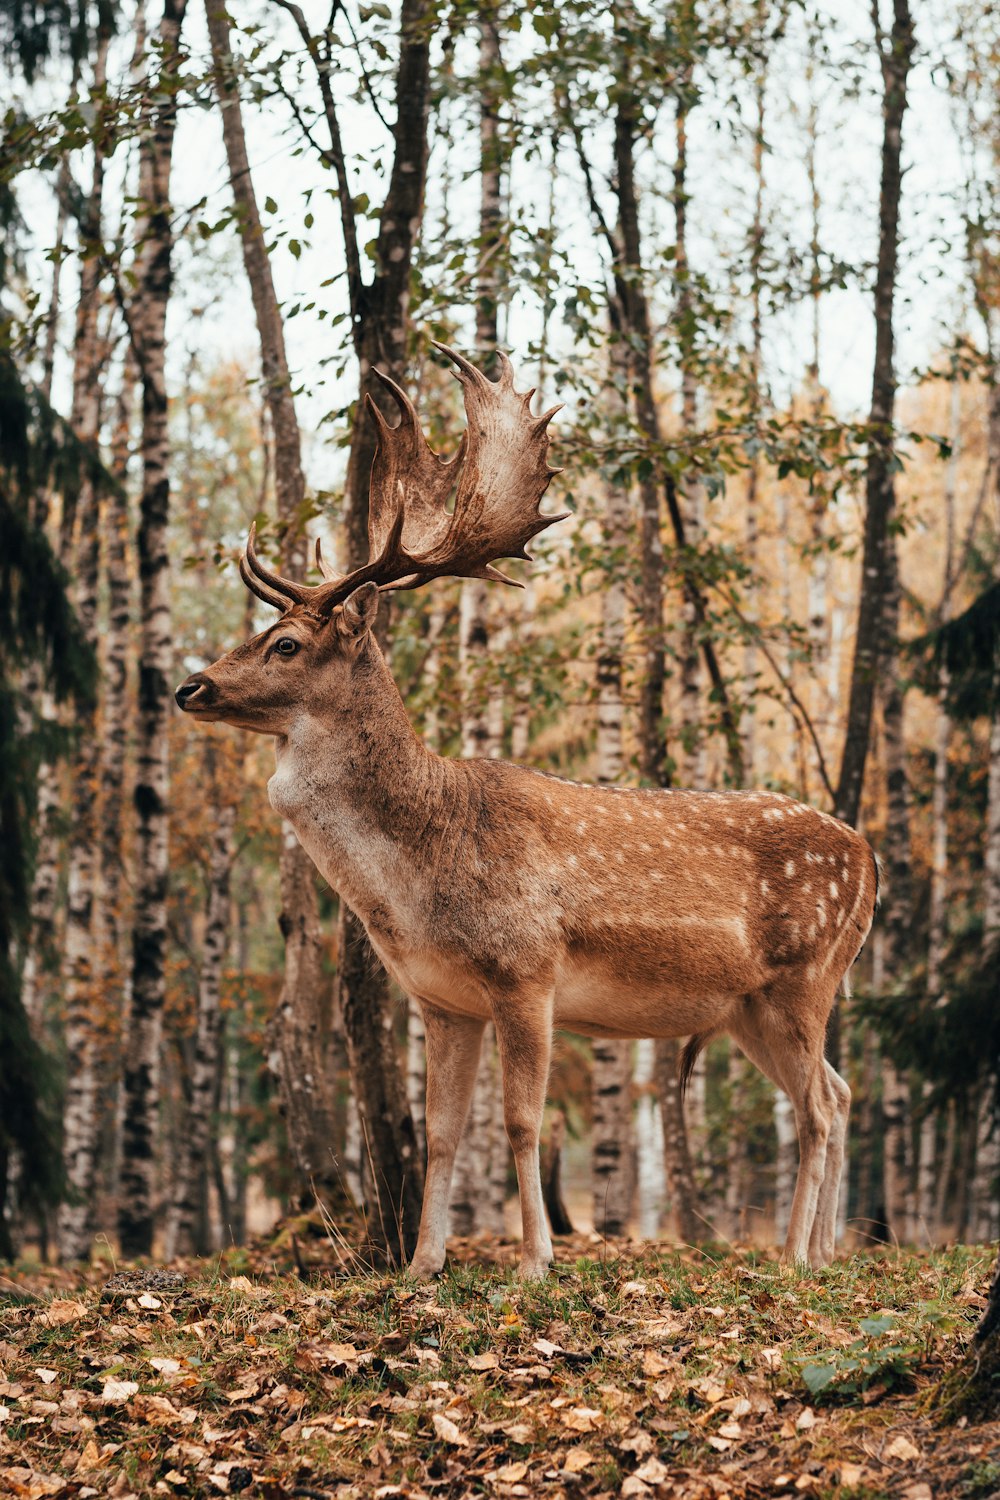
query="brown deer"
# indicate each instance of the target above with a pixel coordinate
(495, 892)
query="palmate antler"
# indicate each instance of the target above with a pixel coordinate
(499, 476)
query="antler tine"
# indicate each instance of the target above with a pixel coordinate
(329, 573)
(281, 593)
(267, 595)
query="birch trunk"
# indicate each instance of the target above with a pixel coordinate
(147, 314)
(300, 1029)
(82, 975)
(650, 1173)
(194, 1158)
(752, 523)
(612, 1140)
(481, 1162)
(611, 1136)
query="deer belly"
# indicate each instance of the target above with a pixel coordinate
(673, 984)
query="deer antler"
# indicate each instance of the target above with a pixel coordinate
(499, 475)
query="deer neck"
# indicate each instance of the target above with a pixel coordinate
(361, 790)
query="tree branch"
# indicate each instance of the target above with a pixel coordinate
(348, 217)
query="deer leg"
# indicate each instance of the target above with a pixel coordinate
(524, 1039)
(453, 1044)
(800, 1070)
(823, 1243)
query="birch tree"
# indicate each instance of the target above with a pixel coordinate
(81, 962)
(147, 311)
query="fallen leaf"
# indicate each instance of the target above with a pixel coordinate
(634, 1289)
(117, 1392)
(166, 1366)
(449, 1431)
(63, 1310)
(582, 1419)
(731, 1430)
(634, 1486)
(918, 1491)
(511, 1473)
(805, 1419)
(654, 1364)
(156, 1410)
(519, 1432)
(652, 1471)
(721, 1445)
(577, 1459)
(46, 1376)
(850, 1475)
(147, 1301)
(903, 1449)
(90, 1458)
(240, 1284)
(487, 1361)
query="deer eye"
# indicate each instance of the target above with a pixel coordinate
(286, 646)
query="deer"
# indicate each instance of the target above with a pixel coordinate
(497, 892)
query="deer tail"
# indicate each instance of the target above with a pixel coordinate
(689, 1057)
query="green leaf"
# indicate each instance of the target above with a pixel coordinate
(818, 1377)
(875, 1326)
(270, 206)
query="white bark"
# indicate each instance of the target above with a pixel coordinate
(650, 1172)
(612, 1155)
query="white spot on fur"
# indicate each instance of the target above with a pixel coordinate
(581, 827)
(764, 887)
(834, 890)
(821, 913)
(789, 868)
(573, 861)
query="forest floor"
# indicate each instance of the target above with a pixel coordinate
(629, 1372)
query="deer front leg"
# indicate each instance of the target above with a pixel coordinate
(524, 1039)
(453, 1044)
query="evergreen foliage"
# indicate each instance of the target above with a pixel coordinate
(41, 648)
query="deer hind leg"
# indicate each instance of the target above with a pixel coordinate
(796, 1064)
(524, 1039)
(453, 1046)
(823, 1243)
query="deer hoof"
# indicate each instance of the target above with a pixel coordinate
(533, 1269)
(423, 1268)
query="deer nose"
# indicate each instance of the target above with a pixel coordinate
(196, 692)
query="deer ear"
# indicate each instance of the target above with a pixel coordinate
(358, 614)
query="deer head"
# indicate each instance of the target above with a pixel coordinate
(498, 477)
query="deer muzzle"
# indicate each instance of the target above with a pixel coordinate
(196, 692)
